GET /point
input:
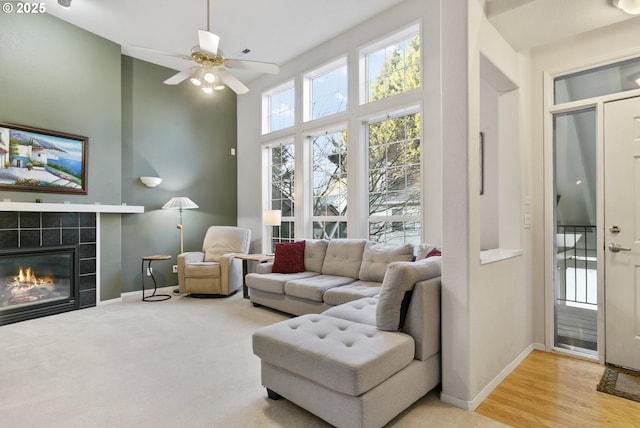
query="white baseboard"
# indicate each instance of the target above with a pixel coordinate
(488, 389)
(137, 295)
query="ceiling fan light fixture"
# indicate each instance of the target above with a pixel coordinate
(196, 79)
(207, 89)
(65, 4)
(210, 76)
(632, 7)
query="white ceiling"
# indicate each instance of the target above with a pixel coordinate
(274, 30)
(279, 30)
(530, 23)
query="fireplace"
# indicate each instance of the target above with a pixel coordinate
(36, 282)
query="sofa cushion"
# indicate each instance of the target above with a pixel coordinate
(344, 257)
(289, 257)
(313, 288)
(273, 282)
(395, 293)
(377, 256)
(314, 252)
(354, 291)
(347, 357)
(361, 310)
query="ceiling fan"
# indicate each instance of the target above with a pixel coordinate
(211, 70)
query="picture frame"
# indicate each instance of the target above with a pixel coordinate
(40, 160)
(481, 152)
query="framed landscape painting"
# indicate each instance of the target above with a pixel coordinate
(37, 160)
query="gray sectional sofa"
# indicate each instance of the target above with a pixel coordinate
(335, 272)
(361, 362)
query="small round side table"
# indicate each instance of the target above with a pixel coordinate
(153, 297)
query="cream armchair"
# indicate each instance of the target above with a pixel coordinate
(214, 271)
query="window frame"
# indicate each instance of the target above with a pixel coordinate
(275, 234)
(384, 42)
(308, 78)
(394, 218)
(267, 101)
(342, 127)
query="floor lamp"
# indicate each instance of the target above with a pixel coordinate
(180, 203)
(271, 218)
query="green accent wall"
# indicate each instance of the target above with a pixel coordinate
(56, 76)
(185, 137)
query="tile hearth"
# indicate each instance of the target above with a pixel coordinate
(51, 229)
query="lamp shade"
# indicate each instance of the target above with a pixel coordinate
(181, 203)
(272, 217)
(632, 7)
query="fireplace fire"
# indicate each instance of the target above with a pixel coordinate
(27, 287)
(37, 282)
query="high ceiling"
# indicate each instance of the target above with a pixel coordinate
(530, 23)
(274, 30)
(279, 30)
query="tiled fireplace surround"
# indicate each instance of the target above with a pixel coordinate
(51, 229)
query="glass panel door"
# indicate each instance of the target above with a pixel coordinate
(575, 279)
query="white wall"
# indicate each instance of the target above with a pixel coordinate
(486, 314)
(495, 295)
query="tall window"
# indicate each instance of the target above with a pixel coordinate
(394, 180)
(330, 186)
(393, 66)
(282, 158)
(278, 107)
(327, 90)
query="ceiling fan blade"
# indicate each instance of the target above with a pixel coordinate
(232, 82)
(261, 67)
(157, 51)
(180, 77)
(208, 42)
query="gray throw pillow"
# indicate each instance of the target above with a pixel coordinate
(396, 290)
(377, 256)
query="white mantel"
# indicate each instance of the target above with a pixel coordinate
(64, 207)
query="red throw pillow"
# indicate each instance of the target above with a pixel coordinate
(433, 253)
(289, 257)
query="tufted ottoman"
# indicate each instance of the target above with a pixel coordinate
(344, 356)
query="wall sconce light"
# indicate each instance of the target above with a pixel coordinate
(66, 4)
(632, 7)
(151, 181)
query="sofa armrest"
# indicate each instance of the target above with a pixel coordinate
(266, 267)
(396, 290)
(190, 257)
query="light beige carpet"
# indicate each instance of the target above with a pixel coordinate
(183, 362)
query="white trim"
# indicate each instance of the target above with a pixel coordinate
(63, 208)
(493, 384)
(498, 254)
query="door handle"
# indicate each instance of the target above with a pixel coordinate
(616, 248)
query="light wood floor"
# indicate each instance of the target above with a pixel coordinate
(551, 390)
